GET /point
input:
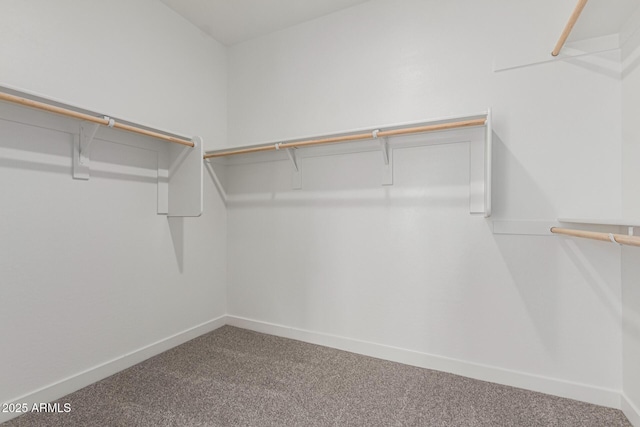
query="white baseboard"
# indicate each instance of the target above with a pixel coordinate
(556, 387)
(631, 411)
(76, 382)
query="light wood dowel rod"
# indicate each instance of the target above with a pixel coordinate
(354, 137)
(619, 238)
(240, 151)
(567, 29)
(433, 128)
(153, 134)
(332, 140)
(52, 108)
(82, 116)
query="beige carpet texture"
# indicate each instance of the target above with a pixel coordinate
(235, 377)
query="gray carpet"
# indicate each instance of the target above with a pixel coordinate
(234, 377)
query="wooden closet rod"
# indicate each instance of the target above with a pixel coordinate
(567, 29)
(82, 116)
(605, 237)
(355, 137)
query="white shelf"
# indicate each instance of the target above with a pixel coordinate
(478, 136)
(180, 167)
(624, 222)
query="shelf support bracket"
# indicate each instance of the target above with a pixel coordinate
(87, 133)
(387, 157)
(297, 175)
(82, 148)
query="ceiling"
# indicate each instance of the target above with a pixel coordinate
(234, 21)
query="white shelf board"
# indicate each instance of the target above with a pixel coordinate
(523, 227)
(180, 168)
(369, 129)
(480, 154)
(624, 222)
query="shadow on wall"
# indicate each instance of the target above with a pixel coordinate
(215, 174)
(443, 197)
(629, 68)
(631, 292)
(429, 176)
(609, 64)
(631, 55)
(534, 262)
(533, 268)
(30, 147)
(606, 64)
(515, 192)
(35, 149)
(176, 227)
(589, 259)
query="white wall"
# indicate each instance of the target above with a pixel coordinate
(135, 60)
(630, 130)
(631, 331)
(407, 266)
(631, 209)
(403, 266)
(89, 273)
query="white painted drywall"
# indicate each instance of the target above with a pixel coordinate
(93, 273)
(89, 272)
(406, 266)
(631, 330)
(132, 59)
(630, 131)
(631, 208)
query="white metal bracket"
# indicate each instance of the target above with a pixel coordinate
(387, 167)
(82, 148)
(631, 230)
(297, 175)
(87, 133)
(387, 157)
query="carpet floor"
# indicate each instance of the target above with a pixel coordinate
(235, 377)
